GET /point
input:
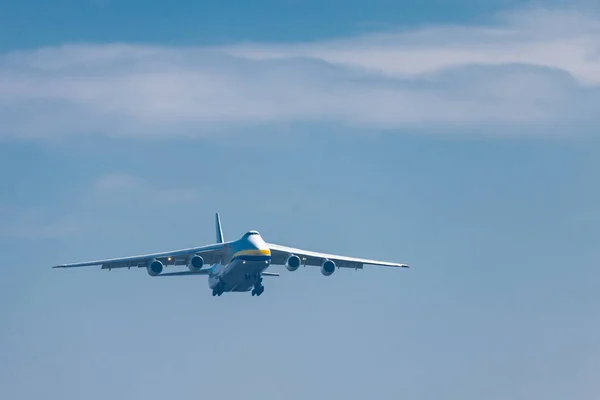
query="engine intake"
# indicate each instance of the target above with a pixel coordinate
(196, 263)
(292, 263)
(154, 268)
(327, 267)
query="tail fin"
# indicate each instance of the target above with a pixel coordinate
(218, 227)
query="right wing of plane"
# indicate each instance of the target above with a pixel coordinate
(279, 255)
(211, 254)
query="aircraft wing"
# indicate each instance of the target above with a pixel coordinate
(279, 254)
(211, 255)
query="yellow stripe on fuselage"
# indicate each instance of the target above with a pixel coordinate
(253, 252)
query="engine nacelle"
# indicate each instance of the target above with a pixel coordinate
(327, 267)
(292, 263)
(154, 268)
(196, 263)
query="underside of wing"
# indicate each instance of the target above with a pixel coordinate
(207, 272)
(197, 256)
(281, 254)
(187, 273)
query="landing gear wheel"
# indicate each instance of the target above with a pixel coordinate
(219, 289)
(258, 290)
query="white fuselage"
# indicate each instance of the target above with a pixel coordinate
(241, 268)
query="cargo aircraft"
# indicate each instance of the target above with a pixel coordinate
(235, 266)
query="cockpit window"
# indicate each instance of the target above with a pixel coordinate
(249, 233)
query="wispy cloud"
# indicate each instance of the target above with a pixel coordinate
(114, 183)
(531, 72)
(33, 224)
(590, 217)
(112, 194)
(123, 188)
(562, 40)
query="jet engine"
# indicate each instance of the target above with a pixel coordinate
(327, 267)
(292, 263)
(196, 263)
(154, 268)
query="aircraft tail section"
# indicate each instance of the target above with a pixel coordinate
(218, 228)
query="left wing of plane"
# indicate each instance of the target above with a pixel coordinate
(211, 254)
(279, 255)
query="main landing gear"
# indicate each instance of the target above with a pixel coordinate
(219, 289)
(258, 288)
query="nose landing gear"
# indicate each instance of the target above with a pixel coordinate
(258, 288)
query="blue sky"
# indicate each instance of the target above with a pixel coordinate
(220, 21)
(457, 137)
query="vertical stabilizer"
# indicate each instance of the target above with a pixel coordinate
(218, 227)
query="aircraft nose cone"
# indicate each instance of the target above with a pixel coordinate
(256, 241)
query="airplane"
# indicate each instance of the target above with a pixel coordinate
(235, 266)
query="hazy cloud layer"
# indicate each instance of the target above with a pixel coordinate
(34, 224)
(532, 72)
(110, 195)
(121, 188)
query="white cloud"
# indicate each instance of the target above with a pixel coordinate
(533, 71)
(564, 40)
